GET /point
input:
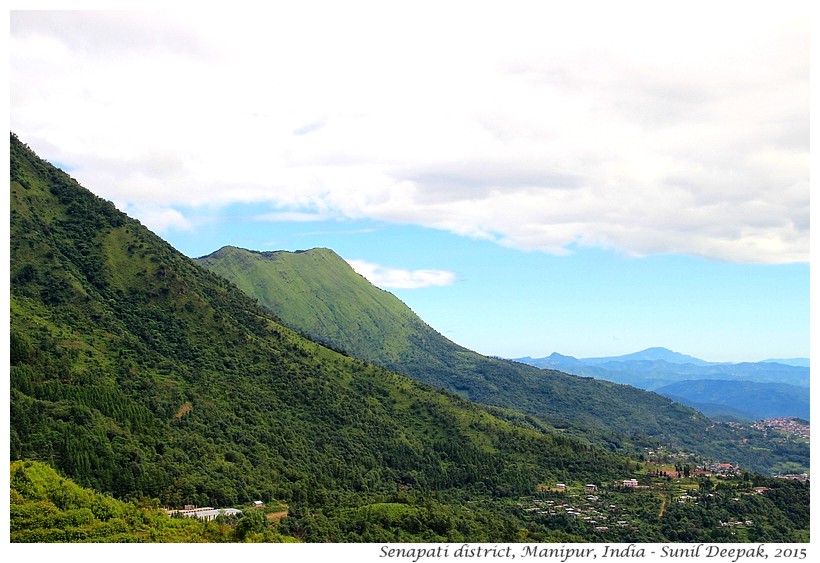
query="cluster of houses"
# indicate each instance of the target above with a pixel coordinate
(718, 470)
(588, 488)
(794, 476)
(202, 512)
(791, 425)
(707, 470)
(594, 511)
(735, 523)
(602, 516)
(591, 488)
(206, 512)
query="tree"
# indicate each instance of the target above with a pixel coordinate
(252, 522)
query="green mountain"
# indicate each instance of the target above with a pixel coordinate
(138, 373)
(321, 295)
(318, 293)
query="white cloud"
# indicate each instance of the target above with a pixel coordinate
(289, 217)
(386, 277)
(158, 219)
(631, 126)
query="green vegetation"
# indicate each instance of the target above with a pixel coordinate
(48, 508)
(138, 374)
(318, 293)
(321, 295)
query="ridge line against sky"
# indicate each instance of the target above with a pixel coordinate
(618, 142)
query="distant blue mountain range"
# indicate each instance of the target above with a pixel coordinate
(727, 391)
(651, 354)
(802, 362)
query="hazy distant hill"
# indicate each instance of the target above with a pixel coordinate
(756, 400)
(786, 392)
(801, 362)
(650, 355)
(318, 293)
(714, 411)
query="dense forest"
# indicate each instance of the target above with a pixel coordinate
(145, 378)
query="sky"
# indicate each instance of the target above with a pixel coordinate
(529, 178)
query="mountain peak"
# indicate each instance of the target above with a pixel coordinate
(228, 250)
(656, 353)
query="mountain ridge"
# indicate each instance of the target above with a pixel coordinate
(765, 384)
(282, 281)
(400, 340)
(757, 400)
(654, 353)
(659, 353)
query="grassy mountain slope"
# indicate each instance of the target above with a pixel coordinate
(320, 294)
(317, 292)
(138, 373)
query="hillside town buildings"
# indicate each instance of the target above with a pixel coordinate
(791, 425)
(204, 512)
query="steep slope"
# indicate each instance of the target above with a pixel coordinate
(319, 293)
(138, 373)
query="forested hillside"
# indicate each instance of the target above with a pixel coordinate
(317, 292)
(140, 374)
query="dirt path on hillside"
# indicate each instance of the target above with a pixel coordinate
(663, 506)
(277, 516)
